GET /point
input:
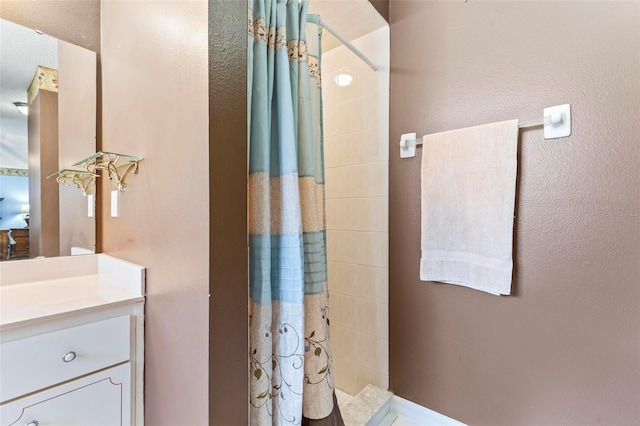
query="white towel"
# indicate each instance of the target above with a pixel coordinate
(468, 200)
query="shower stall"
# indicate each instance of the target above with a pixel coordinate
(356, 145)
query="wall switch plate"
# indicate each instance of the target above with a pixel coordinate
(115, 195)
(557, 121)
(91, 205)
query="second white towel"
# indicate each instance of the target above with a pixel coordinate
(468, 200)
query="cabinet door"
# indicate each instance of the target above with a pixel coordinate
(101, 399)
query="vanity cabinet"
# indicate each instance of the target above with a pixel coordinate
(20, 249)
(72, 348)
(100, 399)
(4, 244)
(78, 375)
(44, 360)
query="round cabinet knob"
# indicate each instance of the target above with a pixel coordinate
(32, 423)
(68, 357)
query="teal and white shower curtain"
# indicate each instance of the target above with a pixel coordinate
(290, 352)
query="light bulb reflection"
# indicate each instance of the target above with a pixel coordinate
(343, 79)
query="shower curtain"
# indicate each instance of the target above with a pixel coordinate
(290, 353)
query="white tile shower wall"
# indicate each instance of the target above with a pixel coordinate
(356, 128)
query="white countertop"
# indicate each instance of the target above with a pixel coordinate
(114, 283)
(25, 303)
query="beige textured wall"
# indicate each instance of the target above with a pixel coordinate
(155, 104)
(565, 348)
(356, 128)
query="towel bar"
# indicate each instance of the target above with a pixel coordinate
(556, 122)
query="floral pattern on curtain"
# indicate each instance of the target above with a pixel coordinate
(290, 351)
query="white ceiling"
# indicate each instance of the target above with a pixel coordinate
(351, 18)
(22, 50)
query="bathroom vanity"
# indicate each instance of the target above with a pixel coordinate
(71, 341)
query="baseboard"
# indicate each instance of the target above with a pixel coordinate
(388, 419)
(419, 414)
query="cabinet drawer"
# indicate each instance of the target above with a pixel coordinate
(38, 362)
(101, 399)
(21, 248)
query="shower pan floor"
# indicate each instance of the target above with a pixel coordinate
(377, 407)
(370, 407)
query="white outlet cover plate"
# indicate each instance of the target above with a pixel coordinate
(560, 130)
(114, 203)
(91, 205)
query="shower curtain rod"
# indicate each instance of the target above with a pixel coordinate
(347, 44)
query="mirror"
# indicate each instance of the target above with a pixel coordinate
(56, 82)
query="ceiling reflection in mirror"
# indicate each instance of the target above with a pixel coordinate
(47, 123)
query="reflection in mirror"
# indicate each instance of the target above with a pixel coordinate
(47, 123)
